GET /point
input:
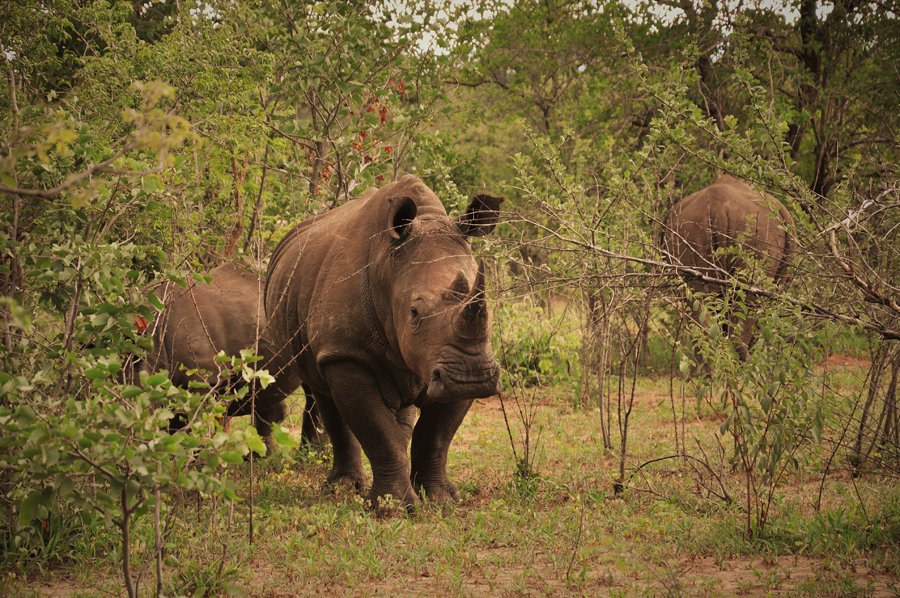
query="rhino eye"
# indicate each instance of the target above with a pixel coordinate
(414, 312)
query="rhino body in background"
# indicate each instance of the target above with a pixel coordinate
(383, 307)
(227, 315)
(727, 214)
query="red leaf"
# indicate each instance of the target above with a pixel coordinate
(141, 324)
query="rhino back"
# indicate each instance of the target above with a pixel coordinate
(720, 216)
(198, 322)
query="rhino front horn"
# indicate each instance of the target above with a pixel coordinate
(473, 321)
(478, 295)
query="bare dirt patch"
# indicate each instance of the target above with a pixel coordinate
(847, 362)
(786, 575)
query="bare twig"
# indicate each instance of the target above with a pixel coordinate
(805, 307)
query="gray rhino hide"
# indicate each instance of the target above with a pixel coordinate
(726, 214)
(223, 315)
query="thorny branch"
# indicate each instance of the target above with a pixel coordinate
(873, 295)
(676, 269)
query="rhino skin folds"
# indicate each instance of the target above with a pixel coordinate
(384, 311)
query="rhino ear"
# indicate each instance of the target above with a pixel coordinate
(480, 217)
(401, 213)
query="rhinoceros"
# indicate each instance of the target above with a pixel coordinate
(384, 309)
(224, 315)
(727, 214)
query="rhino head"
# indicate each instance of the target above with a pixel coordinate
(438, 303)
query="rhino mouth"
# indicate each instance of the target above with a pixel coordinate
(449, 383)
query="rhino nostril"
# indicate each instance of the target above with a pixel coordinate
(436, 375)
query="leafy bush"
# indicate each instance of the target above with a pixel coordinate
(538, 348)
(769, 402)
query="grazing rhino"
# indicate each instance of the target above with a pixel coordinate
(383, 307)
(726, 214)
(224, 315)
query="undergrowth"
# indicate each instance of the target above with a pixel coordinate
(562, 531)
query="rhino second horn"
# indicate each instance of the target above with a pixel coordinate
(460, 285)
(473, 320)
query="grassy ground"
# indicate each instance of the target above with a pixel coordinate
(563, 533)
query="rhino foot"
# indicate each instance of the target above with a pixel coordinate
(385, 504)
(441, 493)
(354, 480)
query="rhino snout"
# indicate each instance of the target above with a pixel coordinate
(450, 383)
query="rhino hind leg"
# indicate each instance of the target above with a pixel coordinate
(312, 420)
(346, 468)
(265, 418)
(431, 440)
(744, 341)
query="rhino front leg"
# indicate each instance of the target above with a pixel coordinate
(431, 440)
(384, 439)
(346, 467)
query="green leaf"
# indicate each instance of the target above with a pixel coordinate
(155, 302)
(28, 508)
(156, 379)
(131, 392)
(726, 424)
(231, 457)
(816, 431)
(50, 455)
(64, 484)
(95, 374)
(283, 437)
(256, 444)
(150, 184)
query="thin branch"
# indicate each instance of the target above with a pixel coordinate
(805, 307)
(101, 168)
